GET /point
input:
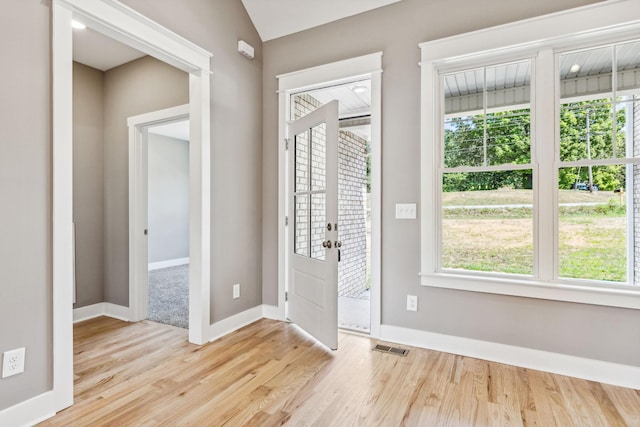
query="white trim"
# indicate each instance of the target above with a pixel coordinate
(172, 114)
(322, 75)
(124, 24)
(30, 412)
(271, 312)
(556, 363)
(337, 72)
(62, 216)
(625, 297)
(167, 263)
(138, 203)
(133, 29)
(235, 322)
(534, 33)
(538, 38)
(101, 309)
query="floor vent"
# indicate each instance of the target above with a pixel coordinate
(392, 350)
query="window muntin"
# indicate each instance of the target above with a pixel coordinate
(487, 177)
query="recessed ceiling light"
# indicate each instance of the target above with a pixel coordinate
(575, 68)
(77, 25)
(359, 89)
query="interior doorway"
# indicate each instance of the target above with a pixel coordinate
(168, 223)
(159, 210)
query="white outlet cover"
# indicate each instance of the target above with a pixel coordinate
(13, 362)
(412, 302)
(405, 211)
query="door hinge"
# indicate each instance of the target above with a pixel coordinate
(286, 221)
(286, 296)
(286, 144)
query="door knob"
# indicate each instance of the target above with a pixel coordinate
(338, 244)
(326, 244)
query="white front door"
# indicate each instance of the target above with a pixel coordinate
(313, 221)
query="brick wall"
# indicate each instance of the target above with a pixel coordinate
(352, 179)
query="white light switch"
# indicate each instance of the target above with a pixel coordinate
(405, 211)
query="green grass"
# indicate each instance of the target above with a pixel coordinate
(593, 248)
(522, 197)
(592, 239)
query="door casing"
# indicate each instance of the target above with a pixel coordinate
(367, 66)
(131, 28)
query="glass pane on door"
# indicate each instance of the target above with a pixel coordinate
(318, 157)
(318, 225)
(301, 225)
(301, 142)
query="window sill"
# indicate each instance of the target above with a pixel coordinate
(624, 297)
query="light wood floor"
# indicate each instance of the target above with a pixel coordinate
(269, 373)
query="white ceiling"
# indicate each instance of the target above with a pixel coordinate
(177, 130)
(277, 18)
(95, 50)
(272, 19)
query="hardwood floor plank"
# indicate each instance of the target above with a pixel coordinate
(270, 374)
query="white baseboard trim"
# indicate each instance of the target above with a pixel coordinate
(272, 312)
(562, 364)
(168, 263)
(32, 411)
(235, 322)
(101, 309)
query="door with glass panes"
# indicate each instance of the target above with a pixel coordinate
(314, 248)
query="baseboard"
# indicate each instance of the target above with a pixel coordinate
(556, 363)
(272, 312)
(101, 309)
(32, 411)
(168, 263)
(235, 322)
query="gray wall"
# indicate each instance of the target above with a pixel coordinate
(25, 170)
(168, 188)
(25, 191)
(585, 330)
(88, 183)
(141, 86)
(236, 142)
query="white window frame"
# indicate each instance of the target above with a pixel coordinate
(539, 38)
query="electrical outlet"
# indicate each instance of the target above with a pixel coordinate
(412, 303)
(13, 362)
(236, 291)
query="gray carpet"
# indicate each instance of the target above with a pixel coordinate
(169, 296)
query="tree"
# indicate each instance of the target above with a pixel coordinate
(508, 141)
(575, 140)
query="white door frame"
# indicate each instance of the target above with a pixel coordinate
(367, 66)
(133, 29)
(138, 207)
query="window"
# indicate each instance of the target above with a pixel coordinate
(486, 195)
(531, 156)
(598, 112)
